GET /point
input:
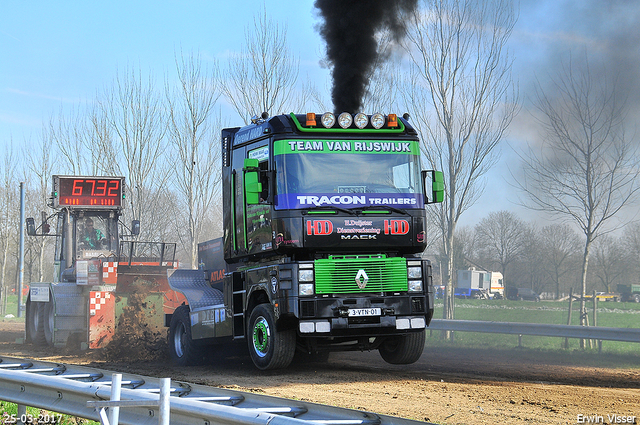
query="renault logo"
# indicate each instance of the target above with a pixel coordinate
(362, 279)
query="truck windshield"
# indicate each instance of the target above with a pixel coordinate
(347, 174)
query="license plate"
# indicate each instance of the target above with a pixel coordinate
(359, 312)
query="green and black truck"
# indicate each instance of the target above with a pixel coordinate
(324, 225)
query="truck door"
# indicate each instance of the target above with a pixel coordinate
(251, 223)
(238, 204)
(258, 218)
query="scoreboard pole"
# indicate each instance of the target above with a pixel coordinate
(21, 253)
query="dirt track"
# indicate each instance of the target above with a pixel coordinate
(445, 386)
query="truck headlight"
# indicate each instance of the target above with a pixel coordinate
(305, 275)
(305, 289)
(415, 286)
(414, 272)
(328, 120)
(345, 119)
(377, 120)
(361, 120)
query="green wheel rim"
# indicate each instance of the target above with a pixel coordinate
(261, 336)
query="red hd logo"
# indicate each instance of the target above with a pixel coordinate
(396, 227)
(319, 227)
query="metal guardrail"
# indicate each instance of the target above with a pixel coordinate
(563, 331)
(84, 392)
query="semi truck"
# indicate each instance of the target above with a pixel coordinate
(324, 223)
(479, 284)
(99, 269)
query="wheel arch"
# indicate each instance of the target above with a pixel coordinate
(257, 296)
(260, 295)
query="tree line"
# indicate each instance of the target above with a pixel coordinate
(547, 259)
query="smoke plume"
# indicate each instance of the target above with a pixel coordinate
(350, 28)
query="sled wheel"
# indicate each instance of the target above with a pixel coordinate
(183, 350)
(48, 322)
(35, 323)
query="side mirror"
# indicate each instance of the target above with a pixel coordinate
(435, 180)
(135, 227)
(31, 226)
(252, 185)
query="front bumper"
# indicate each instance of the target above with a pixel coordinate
(366, 316)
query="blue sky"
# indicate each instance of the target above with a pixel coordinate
(56, 55)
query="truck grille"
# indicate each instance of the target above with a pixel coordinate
(341, 274)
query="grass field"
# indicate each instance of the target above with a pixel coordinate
(12, 309)
(609, 314)
(9, 415)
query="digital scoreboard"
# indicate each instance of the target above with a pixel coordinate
(87, 192)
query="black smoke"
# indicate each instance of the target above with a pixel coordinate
(350, 28)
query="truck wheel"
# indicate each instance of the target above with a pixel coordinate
(35, 323)
(183, 350)
(48, 322)
(268, 347)
(636, 298)
(403, 349)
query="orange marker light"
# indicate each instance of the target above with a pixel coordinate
(311, 119)
(392, 120)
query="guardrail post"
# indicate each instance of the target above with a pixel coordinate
(22, 412)
(566, 340)
(116, 386)
(519, 340)
(165, 403)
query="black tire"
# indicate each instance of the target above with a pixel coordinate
(48, 322)
(183, 350)
(269, 348)
(34, 325)
(636, 298)
(403, 349)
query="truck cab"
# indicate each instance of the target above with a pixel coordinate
(324, 223)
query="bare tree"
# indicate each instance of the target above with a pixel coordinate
(197, 171)
(631, 242)
(525, 272)
(134, 114)
(585, 170)
(502, 235)
(461, 95)
(610, 265)
(559, 245)
(69, 133)
(9, 207)
(39, 165)
(263, 77)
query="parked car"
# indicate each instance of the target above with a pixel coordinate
(522, 294)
